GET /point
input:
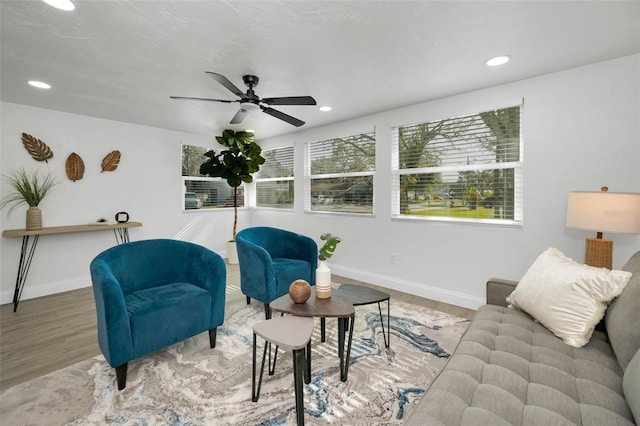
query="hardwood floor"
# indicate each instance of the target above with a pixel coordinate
(52, 332)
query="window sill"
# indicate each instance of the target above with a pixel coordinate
(512, 224)
(339, 213)
(209, 210)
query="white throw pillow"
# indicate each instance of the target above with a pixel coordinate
(565, 296)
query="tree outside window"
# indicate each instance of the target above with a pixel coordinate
(274, 180)
(466, 168)
(339, 174)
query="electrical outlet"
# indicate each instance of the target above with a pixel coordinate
(394, 259)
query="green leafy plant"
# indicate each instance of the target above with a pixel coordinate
(27, 187)
(329, 247)
(236, 164)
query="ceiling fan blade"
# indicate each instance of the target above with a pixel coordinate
(239, 117)
(282, 116)
(226, 83)
(290, 100)
(203, 99)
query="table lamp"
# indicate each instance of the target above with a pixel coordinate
(604, 211)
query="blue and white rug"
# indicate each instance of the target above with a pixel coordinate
(192, 384)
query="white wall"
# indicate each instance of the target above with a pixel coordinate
(146, 184)
(581, 131)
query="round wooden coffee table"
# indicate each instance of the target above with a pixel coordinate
(334, 307)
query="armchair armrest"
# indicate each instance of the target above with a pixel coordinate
(304, 248)
(498, 289)
(114, 332)
(210, 273)
(257, 277)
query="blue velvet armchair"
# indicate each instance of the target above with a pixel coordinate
(270, 259)
(153, 293)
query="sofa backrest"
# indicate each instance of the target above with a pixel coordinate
(622, 318)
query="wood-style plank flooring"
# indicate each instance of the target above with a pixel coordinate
(52, 332)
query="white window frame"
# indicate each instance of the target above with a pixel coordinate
(308, 177)
(291, 178)
(517, 166)
(205, 208)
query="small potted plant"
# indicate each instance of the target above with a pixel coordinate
(323, 273)
(30, 188)
(236, 164)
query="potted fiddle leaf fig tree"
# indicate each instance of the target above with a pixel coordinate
(235, 164)
(30, 188)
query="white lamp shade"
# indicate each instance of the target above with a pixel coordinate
(604, 211)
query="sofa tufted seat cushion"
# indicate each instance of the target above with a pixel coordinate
(510, 370)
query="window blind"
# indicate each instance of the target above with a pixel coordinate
(275, 180)
(339, 174)
(463, 168)
(211, 192)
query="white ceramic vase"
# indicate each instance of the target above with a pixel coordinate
(323, 280)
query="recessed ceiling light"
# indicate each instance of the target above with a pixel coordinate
(325, 108)
(39, 84)
(61, 4)
(498, 60)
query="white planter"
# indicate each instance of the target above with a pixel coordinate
(323, 280)
(232, 253)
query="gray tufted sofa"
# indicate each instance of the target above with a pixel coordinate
(510, 370)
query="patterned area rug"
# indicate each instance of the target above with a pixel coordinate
(192, 384)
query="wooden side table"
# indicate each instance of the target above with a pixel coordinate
(360, 295)
(290, 332)
(333, 307)
(121, 231)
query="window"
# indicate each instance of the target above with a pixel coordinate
(339, 174)
(274, 180)
(466, 168)
(202, 192)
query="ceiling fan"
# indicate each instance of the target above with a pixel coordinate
(249, 101)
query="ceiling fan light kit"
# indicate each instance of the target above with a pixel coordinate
(250, 102)
(248, 106)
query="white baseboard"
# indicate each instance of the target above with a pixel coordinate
(31, 292)
(418, 289)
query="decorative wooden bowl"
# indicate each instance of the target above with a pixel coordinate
(299, 291)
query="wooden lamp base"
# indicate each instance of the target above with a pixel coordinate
(599, 252)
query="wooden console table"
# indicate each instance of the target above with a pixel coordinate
(121, 231)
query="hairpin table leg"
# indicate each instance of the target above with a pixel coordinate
(26, 255)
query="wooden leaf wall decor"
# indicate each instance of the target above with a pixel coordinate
(111, 161)
(74, 167)
(38, 149)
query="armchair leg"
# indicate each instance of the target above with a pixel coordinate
(267, 311)
(248, 300)
(213, 332)
(121, 376)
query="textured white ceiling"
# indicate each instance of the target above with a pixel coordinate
(121, 60)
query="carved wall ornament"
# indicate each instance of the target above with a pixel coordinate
(36, 148)
(74, 167)
(111, 161)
